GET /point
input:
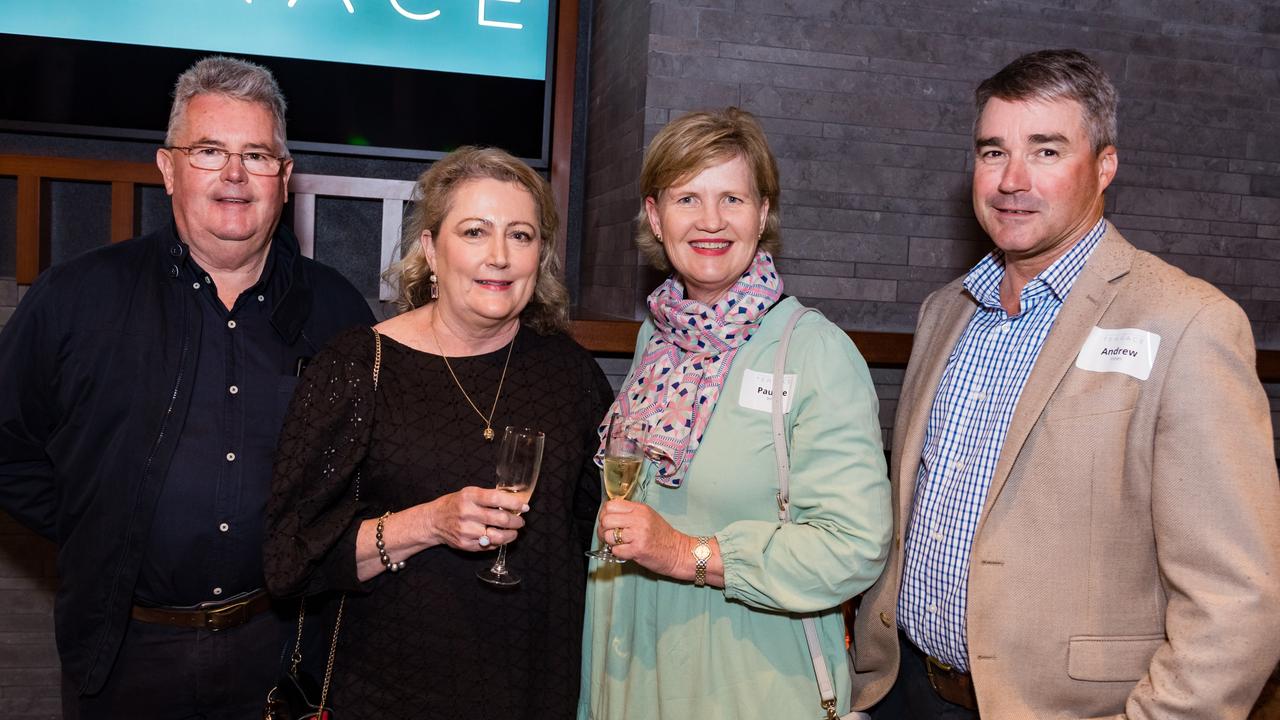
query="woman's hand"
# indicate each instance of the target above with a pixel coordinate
(645, 537)
(460, 520)
(463, 519)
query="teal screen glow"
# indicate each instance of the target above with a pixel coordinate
(504, 38)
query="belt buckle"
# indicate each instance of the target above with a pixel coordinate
(930, 665)
(226, 617)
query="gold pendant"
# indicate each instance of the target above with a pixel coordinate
(488, 434)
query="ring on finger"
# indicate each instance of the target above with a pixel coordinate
(483, 540)
(617, 536)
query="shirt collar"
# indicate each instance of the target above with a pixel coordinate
(983, 280)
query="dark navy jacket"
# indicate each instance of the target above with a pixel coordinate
(96, 369)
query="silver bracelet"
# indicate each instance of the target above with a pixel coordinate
(382, 547)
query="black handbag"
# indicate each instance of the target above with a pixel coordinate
(297, 695)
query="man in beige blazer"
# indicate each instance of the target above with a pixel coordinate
(1088, 511)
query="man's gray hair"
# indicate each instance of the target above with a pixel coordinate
(234, 78)
(1049, 75)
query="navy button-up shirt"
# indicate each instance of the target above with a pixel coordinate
(206, 540)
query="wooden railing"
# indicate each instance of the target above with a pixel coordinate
(601, 336)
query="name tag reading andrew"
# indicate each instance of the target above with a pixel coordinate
(1123, 350)
(757, 391)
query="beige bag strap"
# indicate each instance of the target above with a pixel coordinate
(826, 689)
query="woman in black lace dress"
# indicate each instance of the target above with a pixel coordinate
(481, 346)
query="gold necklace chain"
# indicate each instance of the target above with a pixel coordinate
(488, 421)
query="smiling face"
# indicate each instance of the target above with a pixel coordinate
(710, 226)
(1037, 182)
(228, 214)
(486, 254)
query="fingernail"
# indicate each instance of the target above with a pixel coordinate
(524, 508)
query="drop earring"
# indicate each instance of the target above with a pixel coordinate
(435, 286)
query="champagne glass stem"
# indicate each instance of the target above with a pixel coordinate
(500, 564)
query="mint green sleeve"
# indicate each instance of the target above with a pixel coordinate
(838, 541)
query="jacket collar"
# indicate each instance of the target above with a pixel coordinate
(294, 306)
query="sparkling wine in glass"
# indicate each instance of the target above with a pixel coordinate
(519, 458)
(623, 458)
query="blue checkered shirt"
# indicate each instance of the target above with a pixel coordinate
(970, 416)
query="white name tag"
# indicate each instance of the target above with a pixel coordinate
(757, 391)
(1123, 350)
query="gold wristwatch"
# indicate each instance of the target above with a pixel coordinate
(701, 553)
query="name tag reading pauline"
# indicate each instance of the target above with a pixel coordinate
(757, 391)
(1123, 350)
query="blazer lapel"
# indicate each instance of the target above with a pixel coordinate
(931, 356)
(1090, 296)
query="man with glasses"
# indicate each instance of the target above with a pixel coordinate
(142, 387)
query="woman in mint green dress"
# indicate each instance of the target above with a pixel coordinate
(702, 621)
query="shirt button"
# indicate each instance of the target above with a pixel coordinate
(195, 286)
(957, 465)
(261, 298)
(223, 527)
(980, 396)
(231, 324)
(936, 535)
(233, 389)
(231, 457)
(933, 607)
(217, 591)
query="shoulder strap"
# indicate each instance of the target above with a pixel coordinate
(826, 689)
(780, 448)
(377, 356)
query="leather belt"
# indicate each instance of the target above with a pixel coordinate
(207, 616)
(951, 685)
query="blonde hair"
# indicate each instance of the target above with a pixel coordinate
(695, 142)
(548, 309)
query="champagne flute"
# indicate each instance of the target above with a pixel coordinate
(519, 458)
(623, 457)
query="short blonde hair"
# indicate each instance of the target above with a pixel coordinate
(548, 309)
(695, 142)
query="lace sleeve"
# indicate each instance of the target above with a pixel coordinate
(313, 514)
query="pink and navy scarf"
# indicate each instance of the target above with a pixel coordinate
(678, 380)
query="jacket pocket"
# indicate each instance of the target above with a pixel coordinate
(1110, 658)
(1093, 403)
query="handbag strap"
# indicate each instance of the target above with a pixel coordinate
(826, 689)
(342, 602)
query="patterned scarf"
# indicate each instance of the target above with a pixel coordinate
(685, 363)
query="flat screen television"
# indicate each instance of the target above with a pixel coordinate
(386, 78)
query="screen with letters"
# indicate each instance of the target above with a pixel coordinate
(398, 78)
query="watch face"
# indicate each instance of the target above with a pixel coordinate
(702, 553)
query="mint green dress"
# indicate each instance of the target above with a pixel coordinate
(656, 648)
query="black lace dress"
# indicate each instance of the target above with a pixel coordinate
(433, 641)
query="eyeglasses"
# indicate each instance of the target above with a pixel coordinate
(204, 157)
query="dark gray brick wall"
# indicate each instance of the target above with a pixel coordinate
(867, 106)
(611, 271)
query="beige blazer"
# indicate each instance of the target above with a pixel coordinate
(1127, 560)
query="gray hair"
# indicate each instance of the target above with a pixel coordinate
(234, 78)
(1048, 75)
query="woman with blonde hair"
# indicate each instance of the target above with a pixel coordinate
(702, 620)
(386, 491)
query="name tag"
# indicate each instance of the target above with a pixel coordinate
(757, 391)
(1123, 350)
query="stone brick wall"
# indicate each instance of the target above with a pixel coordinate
(612, 274)
(868, 108)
